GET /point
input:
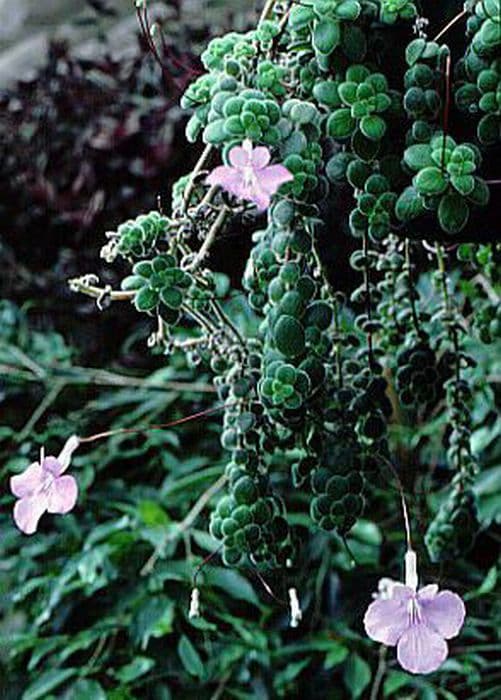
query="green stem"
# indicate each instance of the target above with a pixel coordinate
(225, 320)
(368, 299)
(208, 241)
(412, 298)
(195, 173)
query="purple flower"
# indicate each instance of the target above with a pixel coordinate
(249, 176)
(417, 622)
(42, 488)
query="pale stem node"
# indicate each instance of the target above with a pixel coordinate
(296, 614)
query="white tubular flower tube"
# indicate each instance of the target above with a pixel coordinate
(411, 577)
(296, 614)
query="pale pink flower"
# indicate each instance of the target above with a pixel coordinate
(417, 622)
(42, 488)
(249, 175)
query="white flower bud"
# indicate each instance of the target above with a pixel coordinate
(296, 614)
(194, 604)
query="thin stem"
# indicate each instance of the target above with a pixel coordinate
(267, 11)
(446, 105)
(26, 361)
(76, 376)
(368, 300)
(481, 280)
(405, 512)
(450, 24)
(337, 348)
(151, 428)
(204, 562)
(452, 330)
(48, 400)
(218, 693)
(408, 265)
(224, 318)
(100, 293)
(195, 173)
(209, 240)
(202, 319)
(268, 589)
(380, 672)
(185, 524)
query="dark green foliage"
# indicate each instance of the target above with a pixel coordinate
(137, 238)
(159, 285)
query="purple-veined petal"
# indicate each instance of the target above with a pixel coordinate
(66, 453)
(28, 511)
(401, 592)
(260, 157)
(62, 495)
(427, 592)
(52, 465)
(29, 482)
(273, 176)
(386, 620)
(228, 178)
(444, 613)
(240, 157)
(421, 650)
(259, 197)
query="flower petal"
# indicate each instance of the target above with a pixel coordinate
(240, 156)
(386, 620)
(230, 179)
(421, 650)
(444, 613)
(28, 511)
(429, 591)
(62, 495)
(272, 177)
(66, 453)
(29, 482)
(52, 465)
(260, 157)
(401, 592)
(259, 197)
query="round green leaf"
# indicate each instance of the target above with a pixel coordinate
(326, 36)
(418, 156)
(348, 10)
(430, 181)
(464, 184)
(340, 124)
(414, 51)
(489, 129)
(409, 205)
(146, 299)
(348, 92)
(481, 193)
(490, 33)
(289, 336)
(453, 213)
(357, 173)
(373, 127)
(215, 132)
(171, 297)
(326, 92)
